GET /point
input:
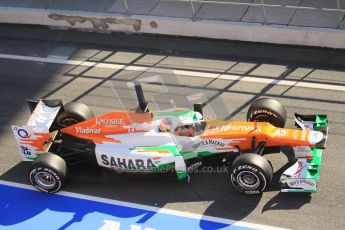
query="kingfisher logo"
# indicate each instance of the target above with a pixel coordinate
(127, 164)
(230, 127)
(102, 121)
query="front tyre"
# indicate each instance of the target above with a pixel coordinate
(48, 173)
(267, 110)
(251, 173)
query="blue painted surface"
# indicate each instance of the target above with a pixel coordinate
(26, 209)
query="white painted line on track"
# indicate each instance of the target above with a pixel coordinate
(149, 208)
(177, 72)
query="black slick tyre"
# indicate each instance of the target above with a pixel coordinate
(48, 173)
(251, 173)
(74, 112)
(267, 110)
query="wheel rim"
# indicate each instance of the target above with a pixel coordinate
(45, 180)
(262, 118)
(68, 121)
(248, 180)
(265, 118)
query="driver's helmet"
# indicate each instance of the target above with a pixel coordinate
(186, 130)
(165, 125)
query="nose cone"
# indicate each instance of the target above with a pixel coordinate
(315, 137)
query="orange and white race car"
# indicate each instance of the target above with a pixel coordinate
(59, 136)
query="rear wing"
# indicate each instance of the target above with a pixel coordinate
(32, 137)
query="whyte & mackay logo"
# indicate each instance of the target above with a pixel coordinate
(205, 143)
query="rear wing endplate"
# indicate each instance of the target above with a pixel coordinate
(32, 137)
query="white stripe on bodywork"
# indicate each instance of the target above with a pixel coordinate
(126, 149)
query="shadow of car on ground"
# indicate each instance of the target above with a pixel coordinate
(213, 192)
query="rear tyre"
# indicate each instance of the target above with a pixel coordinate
(48, 173)
(267, 110)
(251, 173)
(74, 112)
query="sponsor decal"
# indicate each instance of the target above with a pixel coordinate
(295, 134)
(231, 127)
(304, 134)
(225, 127)
(205, 143)
(48, 109)
(43, 116)
(302, 151)
(87, 130)
(280, 133)
(295, 183)
(300, 165)
(129, 164)
(247, 167)
(262, 111)
(22, 133)
(25, 150)
(252, 192)
(246, 128)
(102, 121)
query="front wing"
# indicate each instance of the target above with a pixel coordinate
(303, 176)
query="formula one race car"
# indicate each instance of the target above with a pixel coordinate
(59, 136)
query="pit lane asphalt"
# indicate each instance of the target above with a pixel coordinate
(105, 89)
